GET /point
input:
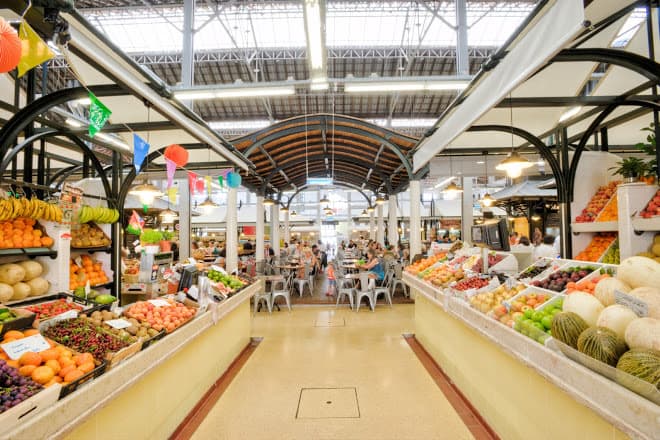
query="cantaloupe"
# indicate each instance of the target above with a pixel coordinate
(567, 327)
(33, 269)
(21, 291)
(601, 344)
(38, 286)
(643, 364)
(651, 296)
(6, 292)
(584, 305)
(639, 272)
(11, 273)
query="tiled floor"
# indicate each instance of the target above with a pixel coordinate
(360, 363)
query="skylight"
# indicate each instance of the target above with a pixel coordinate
(629, 28)
(280, 25)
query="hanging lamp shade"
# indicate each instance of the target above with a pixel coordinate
(380, 200)
(146, 192)
(487, 200)
(10, 47)
(168, 216)
(268, 201)
(284, 209)
(177, 154)
(514, 165)
(452, 188)
(370, 209)
(324, 200)
(208, 204)
(293, 213)
(364, 212)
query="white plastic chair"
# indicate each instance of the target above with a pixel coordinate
(366, 290)
(283, 289)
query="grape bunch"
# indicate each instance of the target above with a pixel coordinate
(14, 388)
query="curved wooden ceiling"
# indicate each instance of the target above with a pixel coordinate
(324, 145)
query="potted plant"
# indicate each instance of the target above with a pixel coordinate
(648, 147)
(631, 169)
(166, 242)
(150, 239)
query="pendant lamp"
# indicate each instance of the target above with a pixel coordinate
(146, 192)
(452, 188)
(514, 164)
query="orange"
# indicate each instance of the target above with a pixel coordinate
(83, 358)
(47, 241)
(30, 332)
(43, 374)
(13, 364)
(66, 370)
(65, 361)
(3, 355)
(30, 358)
(54, 365)
(50, 354)
(87, 367)
(26, 370)
(73, 375)
(15, 334)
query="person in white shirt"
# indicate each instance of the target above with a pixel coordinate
(545, 249)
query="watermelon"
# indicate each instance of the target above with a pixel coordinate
(601, 344)
(643, 364)
(567, 327)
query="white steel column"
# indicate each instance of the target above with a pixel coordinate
(415, 218)
(462, 56)
(259, 250)
(467, 218)
(287, 230)
(372, 226)
(392, 233)
(231, 242)
(188, 47)
(184, 219)
(275, 228)
(380, 231)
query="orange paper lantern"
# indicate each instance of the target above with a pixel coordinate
(177, 154)
(10, 47)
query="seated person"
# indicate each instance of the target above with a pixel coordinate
(374, 266)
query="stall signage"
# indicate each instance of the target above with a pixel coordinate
(34, 344)
(159, 303)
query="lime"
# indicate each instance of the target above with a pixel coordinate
(547, 321)
(537, 316)
(529, 313)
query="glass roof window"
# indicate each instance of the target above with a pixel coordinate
(281, 25)
(629, 28)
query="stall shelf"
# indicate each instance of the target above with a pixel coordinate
(150, 394)
(520, 386)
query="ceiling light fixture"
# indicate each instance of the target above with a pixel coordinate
(452, 189)
(268, 201)
(514, 164)
(284, 209)
(319, 85)
(208, 204)
(146, 192)
(293, 213)
(487, 200)
(324, 199)
(315, 29)
(380, 200)
(370, 209)
(404, 86)
(230, 92)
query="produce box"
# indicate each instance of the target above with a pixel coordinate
(73, 386)
(89, 236)
(558, 280)
(80, 335)
(539, 270)
(23, 319)
(148, 342)
(29, 408)
(127, 329)
(47, 307)
(634, 384)
(166, 313)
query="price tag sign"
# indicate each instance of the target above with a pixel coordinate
(641, 308)
(78, 261)
(34, 344)
(118, 323)
(159, 303)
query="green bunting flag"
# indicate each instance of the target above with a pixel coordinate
(98, 115)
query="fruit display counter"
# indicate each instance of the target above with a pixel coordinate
(515, 382)
(162, 383)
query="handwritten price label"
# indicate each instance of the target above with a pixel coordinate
(34, 344)
(118, 323)
(159, 303)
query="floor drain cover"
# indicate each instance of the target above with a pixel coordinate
(328, 403)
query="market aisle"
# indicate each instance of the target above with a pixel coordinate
(359, 380)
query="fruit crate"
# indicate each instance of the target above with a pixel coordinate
(87, 305)
(148, 342)
(29, 408)
(565, 267)
(24, 319)
(74, 385)
(550, 295)
(634, 384)
(550, 264)
(100, 247)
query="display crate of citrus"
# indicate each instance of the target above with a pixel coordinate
(596, 249)
(23, 233)
(88, 270)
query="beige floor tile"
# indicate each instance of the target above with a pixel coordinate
(397, 399)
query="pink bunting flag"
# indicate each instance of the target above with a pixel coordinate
(171, 169)
(192, 182)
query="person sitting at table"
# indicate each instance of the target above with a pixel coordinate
(374, 266)
(268, 252)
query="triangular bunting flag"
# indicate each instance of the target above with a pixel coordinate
(140, 150)
(171, 194)
(98, 115)
(192, 182)
(33, 49)
(171, 169)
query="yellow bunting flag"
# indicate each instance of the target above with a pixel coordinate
(208, 185)
(33, 49)
(171, 194)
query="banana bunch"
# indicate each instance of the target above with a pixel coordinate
(97, 215)
(31, 208)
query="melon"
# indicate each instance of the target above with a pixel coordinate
(38, 286)
(606, 287)
(601, 344)
(32, 269)
(643, 333)
(567, 327)
(617, 318)
(6, 292)
(21, 291)
(11, 273)
(651, 296)
(643, 364)
(585, 305)
(639, 272)
(655, 250)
